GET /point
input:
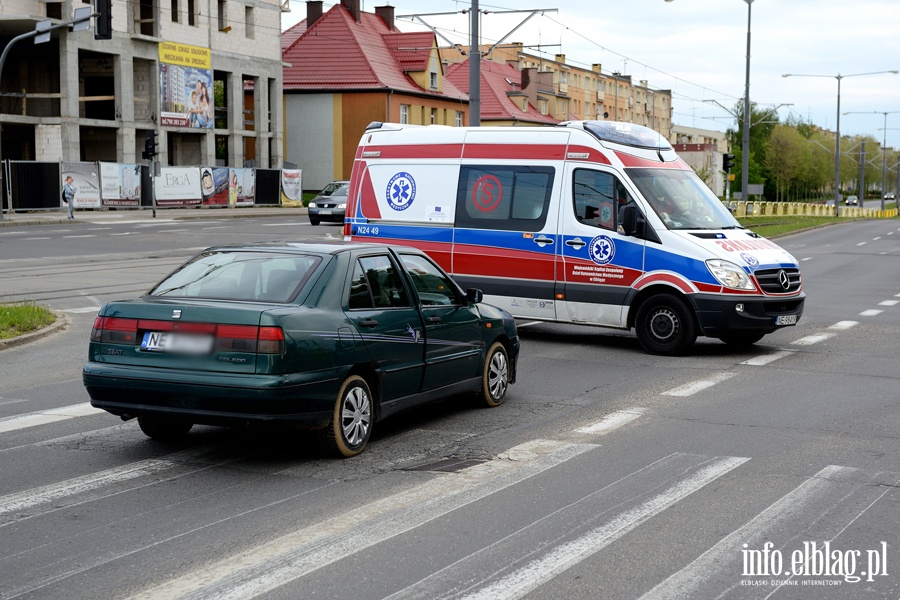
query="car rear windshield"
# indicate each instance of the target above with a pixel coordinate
(239, 275)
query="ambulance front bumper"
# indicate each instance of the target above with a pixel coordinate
(718, 315)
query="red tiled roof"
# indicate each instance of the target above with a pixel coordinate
(337, 53)
(496, 80)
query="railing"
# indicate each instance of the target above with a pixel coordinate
(805, 209)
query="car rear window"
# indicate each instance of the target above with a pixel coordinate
(248, 276)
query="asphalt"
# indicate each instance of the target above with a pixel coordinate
(105, 215)
(93, 216)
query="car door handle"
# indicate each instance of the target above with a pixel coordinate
(577, 243)
(433, 320)
(368, 323)
(542, 240)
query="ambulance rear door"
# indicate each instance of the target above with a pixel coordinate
(598, 265)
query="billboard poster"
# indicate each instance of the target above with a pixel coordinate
(292, 187)
(178, 186)
(242, 187)
(120, 184)
(185, 86)
(86, 179)
(214, 186)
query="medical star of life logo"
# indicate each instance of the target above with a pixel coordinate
(602, 249)
(401, 191)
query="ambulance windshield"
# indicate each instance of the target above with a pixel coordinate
(628, 135)
(682, 200)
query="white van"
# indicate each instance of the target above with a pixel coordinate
(589, 222)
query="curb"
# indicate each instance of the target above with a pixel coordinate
(62, 321)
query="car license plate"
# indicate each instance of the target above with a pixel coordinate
(180, 343)
(786, 320)
(326, 211)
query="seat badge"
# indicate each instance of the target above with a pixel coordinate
(176, 314)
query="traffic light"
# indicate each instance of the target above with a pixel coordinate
(150, 146)
(727, 161)
(103, 20)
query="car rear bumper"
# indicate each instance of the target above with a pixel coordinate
(719, 316)
(212, 398)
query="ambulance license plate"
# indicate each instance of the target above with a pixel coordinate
(786, 320)
(165, 341)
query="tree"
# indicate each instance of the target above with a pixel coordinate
(785, 155)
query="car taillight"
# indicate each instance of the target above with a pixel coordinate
(114, 330)
(249, 338)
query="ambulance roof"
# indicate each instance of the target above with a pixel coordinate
(625, 134)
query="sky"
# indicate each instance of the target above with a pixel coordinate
(698, 50)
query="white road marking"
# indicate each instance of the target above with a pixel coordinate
(807, 258)
(263, 568)
(47, 416)
(697, 386)
(528, 578)
(843, 325)
(34, 239)
(876, 238)
(870, 313)
(83, 310)
(822, 507)
(861, 244)
(812, 339)
(72, 237)
(125, 233)
(613, 421)
(889, 303)
(767, 358)
(530, 323)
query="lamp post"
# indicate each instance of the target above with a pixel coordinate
(883, 146)
(837, 139)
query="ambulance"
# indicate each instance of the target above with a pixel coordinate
(589, 222)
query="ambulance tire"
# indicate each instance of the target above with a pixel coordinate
(741, 340)
(665, 325)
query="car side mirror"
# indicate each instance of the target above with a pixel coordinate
(474, 295)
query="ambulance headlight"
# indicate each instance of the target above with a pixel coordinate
(730, 275)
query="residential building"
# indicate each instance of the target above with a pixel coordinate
(205, 74)
(346, 68)
(702, 149)
(567, 92)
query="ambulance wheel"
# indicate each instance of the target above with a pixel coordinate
(164, 428)
(665, 325)
(741, 340)
(351, 420)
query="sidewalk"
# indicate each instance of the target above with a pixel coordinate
(104, 215)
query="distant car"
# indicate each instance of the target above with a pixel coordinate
(330, 337)
(330, 204)
(851, 201)
(889, 196)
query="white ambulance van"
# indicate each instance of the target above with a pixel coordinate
(590, 222)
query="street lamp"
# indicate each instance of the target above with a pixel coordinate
(883, 146)
(837, 140)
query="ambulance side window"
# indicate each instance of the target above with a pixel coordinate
(597, 197)
(504, 197)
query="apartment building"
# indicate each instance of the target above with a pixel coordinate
(702, 149)
(567, 92)
(205, 74)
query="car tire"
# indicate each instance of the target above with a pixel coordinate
(351, 421)
(313, 221)
(741, 340)
(665, 325)
(495, 375)
(164, 428)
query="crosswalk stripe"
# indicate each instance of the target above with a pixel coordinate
(290, 557)
(765, 359)
(689, 389)
(841, 493)
(613, 421)
(47, 416)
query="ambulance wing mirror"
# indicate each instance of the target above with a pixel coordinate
(628, 220)
(474, 295)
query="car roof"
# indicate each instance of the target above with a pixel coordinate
(335, 247)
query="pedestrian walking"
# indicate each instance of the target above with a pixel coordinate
(68, 196)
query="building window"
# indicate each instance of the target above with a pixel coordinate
(459, 119)
(223, 20)
(434, 116)
(433, 82)
(249, 24)
(404, 114)
(174, 11)
(542, 106)
(192, 11)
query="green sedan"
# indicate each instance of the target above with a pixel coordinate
(330, 337)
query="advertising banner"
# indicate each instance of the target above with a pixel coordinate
(86, 180)
(120, 184)
(214, 186)
(292, 187)
(242, 188)
(185, 86)
(178, 186)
